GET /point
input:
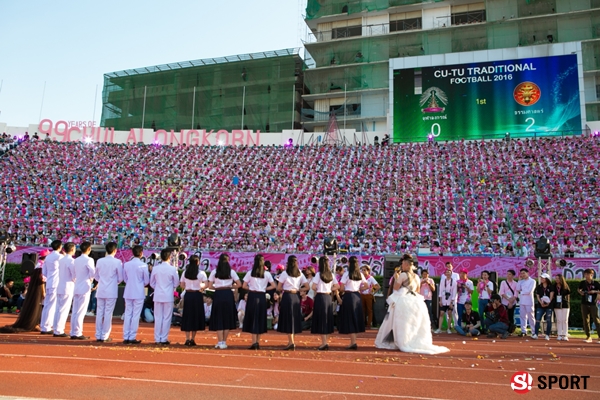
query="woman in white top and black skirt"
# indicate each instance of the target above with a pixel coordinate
(352, 319)
(193, 282)
(257, 283)
(223, 316)
(290, 315)
(323, 284)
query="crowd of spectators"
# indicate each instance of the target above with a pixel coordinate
(463, 197)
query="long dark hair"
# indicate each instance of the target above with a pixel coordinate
(324, 270)
(223, 267)
(191, 271)
(292, 267)
(258, 270)
(353, 269)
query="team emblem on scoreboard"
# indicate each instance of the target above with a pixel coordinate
(433, 99)
(527, 93)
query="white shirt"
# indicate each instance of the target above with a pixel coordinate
(66, 275)
(463, 294)
(258, 284)
(448, 292)
(454, 277)
(164, 280)
(291, 283)
(504, 290)
(109, 273)
(526, 289)
(372, 282)
(84, 274)
(50, 269)
(483, 293)
(349, 284)
(194, 284)
(219, 283)
(136, 277)
(323, 287)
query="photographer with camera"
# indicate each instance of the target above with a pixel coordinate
(470, 322)
(589, 289)
(447, 301)
(496, 318)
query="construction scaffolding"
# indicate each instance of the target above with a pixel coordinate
(259, 91)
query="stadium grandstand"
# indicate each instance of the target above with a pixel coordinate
(460, 197)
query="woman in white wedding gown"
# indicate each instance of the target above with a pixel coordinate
(406, 325)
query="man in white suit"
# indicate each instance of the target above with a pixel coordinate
(164, 280)
(50, 273)
(64, 290)
(109, 273)
(84, 277)
(137, 277)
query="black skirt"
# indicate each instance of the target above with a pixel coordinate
(290, 314)
(352, 319)
(223, 315)
(255, 318)
(322, 319)
(192, 318)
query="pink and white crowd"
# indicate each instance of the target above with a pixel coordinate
(492, 197)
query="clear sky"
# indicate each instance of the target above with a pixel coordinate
(69, 45)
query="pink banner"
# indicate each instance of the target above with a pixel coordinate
(242, 262)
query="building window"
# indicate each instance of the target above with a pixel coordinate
(469, 17)
(347, 31)
(406, 24)
(598, 92)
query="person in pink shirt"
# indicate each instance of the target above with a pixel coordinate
(426, 289)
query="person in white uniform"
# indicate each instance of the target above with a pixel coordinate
(84, 277)
(50, 273)
(136, 277)
(164, 280)
(109, 273)
(526, 291)
(64, 290)
(455, 277)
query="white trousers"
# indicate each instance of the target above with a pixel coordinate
(562, 321)
(131, 319)
(104, 312)
(455, 315)
(49, 310)
(63, 306)
(80, 305)
(163, 312)
(527, 315)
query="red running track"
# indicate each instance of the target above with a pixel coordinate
(46, 367)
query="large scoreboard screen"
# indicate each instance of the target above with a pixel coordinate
(524, 97)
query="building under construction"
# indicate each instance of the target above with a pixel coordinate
(259, 91)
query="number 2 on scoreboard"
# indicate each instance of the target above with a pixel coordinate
(529, 128)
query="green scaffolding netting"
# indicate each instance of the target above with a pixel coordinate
(263, 89)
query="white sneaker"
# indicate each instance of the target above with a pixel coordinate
(89, 314)
(565, 338)
(275, 327)
(534, 336)
(588, 340)
(449, 331)
(437, 331)
(218, 346)
(559, 338)
(223, 346)
(547, 337)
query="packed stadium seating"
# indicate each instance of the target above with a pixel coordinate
(492, 197)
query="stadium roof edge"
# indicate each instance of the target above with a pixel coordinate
(205, 61)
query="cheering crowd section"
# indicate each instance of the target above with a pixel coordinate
(454, 197)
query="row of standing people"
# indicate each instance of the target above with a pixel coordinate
(68, 282)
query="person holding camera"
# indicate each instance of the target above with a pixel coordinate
(496, 318)
(485, 288)
(589, 289)
(447, 300)
(470, 322)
